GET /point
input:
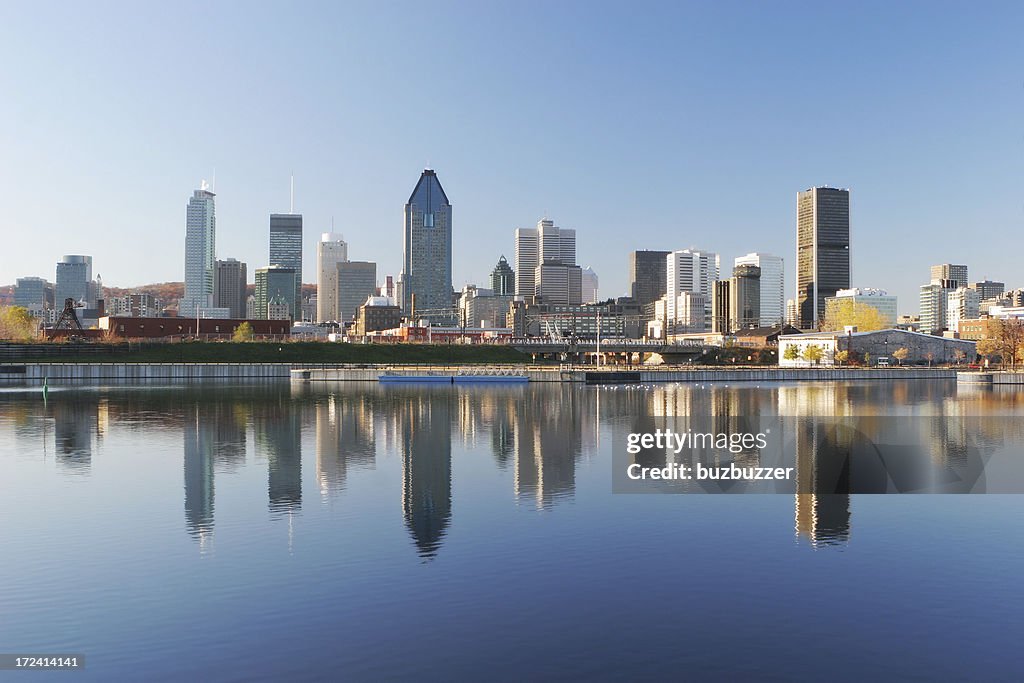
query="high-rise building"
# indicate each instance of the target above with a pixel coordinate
(357, 280)
(956, 274)
(773, 286)
(720, 317)
(933, 299)
(822, 250)
(200, 250)
(694, 271)
(647, 278)
(271, 282)
(558, 283)
(230, 279)
(745, 297)
(589, 286)
(330, 251)
(74, 280)
(503, 278)
(963, 303)
(544, 244)
(425, 282)
(987, 289)
(946, 278)
(286, 251)
(31, 293)
(736, 302)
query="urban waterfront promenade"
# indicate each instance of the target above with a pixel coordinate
(60, 373)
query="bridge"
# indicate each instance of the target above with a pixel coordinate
(612, 350)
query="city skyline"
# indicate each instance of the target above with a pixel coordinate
(892, 85)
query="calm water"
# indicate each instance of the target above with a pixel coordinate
(363, 533)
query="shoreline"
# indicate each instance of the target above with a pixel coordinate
(63, 373)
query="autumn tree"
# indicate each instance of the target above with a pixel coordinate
(17, 324)
(900, 354)
(842, 356)
(791, 352)
(845, 311)
(242, 333)
(813, 354)
(1003, 339)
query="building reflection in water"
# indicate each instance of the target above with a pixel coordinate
(822, 501)
(344, 438)
(277, 430)
(74, 422)
(546, 444)
(198, 466)
(424, 421)
(214, 439)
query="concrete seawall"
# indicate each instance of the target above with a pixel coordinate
(990, 378)
(58, 373)
(618, 375)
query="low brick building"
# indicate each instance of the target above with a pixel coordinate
(148, 328)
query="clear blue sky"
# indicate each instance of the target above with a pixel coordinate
(642, 125)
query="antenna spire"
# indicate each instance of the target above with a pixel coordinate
(291, 208)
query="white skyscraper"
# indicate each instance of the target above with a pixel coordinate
(200, 250)
(690, 270)
(773, 289)
(330, 251)
(545, 244)
(589, 285)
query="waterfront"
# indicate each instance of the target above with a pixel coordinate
(309, 530)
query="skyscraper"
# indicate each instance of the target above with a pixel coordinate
(745, 297)
(647, 278)
(200, 249)
(330, 251)
(74, 280)
(286, 251)
(271, 282)
(589, 286)
(548, 251)
(503, 278)
(694, 271)
(31, 293)
(822, 250)
(426, 279)
(956, 274)
(356, 281)
(736, 302)
(773, 288)
(230, 280)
